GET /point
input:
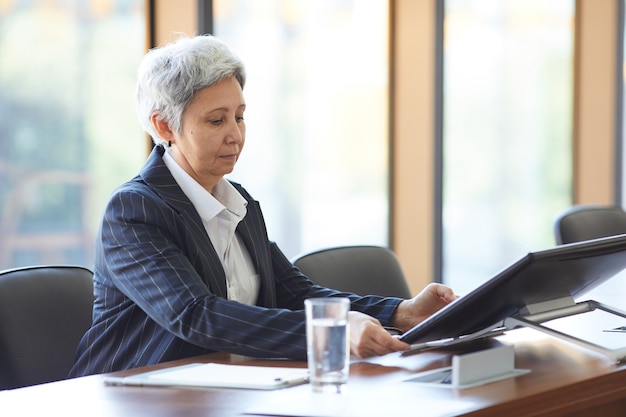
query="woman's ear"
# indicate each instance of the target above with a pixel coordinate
(161, 127)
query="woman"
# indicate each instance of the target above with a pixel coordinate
(183, 263)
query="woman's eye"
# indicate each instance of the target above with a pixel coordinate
(216, 122)
(239, 119)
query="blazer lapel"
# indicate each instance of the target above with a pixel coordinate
(254, 235)
(157, 176)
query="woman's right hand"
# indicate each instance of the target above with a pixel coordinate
(369, 338)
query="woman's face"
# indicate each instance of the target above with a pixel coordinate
(213, 133)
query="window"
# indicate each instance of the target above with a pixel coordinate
(507, 105)
(68, 130)
(621, 149)
(316, 153)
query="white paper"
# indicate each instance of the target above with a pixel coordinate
(218, 375)
(307, 404)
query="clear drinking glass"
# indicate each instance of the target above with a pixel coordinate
(328, 343)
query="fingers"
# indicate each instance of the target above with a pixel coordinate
(367, 336)
(374, 340)
(442, 291)
(379, 349)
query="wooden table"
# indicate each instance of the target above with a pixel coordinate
(565, 380)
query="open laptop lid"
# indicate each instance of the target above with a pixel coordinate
(538, 277)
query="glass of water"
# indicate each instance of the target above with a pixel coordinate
(328, 343)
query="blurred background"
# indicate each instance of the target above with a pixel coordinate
(320, 124)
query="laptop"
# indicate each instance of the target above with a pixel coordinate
(543, 278)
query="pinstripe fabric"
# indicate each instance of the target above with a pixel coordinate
(161, 292)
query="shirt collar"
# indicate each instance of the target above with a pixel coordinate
(208, 205)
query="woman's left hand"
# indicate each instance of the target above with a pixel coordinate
(432, 298)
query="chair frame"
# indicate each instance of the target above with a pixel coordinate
(589, 221)
(44, 312)
(339, 273)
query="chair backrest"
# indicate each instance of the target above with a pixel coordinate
(44, 312)
(586, 222)
(361, 270)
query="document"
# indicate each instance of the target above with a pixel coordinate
(215, 375)
(305, 403)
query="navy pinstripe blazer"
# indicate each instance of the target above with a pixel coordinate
(160, 289)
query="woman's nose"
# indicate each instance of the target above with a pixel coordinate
(236, 132)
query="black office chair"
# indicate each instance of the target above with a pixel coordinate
(361, 270)
(586, 222)
(44, 311)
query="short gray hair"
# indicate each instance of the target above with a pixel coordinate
(169, 76)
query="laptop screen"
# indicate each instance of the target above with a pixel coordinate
(538, 277)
